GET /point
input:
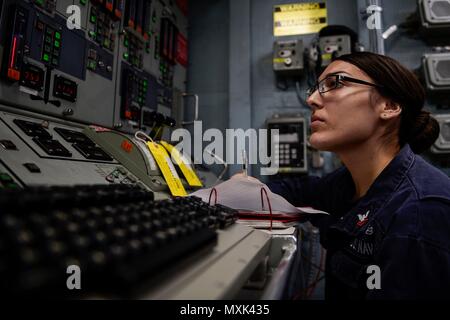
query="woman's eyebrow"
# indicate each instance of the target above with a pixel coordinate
(336, 73)
(333, 74)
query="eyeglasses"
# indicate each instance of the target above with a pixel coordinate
(335, 81)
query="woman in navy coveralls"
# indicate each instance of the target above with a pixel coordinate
(388, 206)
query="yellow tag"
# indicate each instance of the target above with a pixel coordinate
(168, 170)
(184, 165)
(278, 60)
(326, 56)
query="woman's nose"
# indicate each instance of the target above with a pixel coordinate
(314, 100)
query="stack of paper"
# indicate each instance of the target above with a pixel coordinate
(244, 194)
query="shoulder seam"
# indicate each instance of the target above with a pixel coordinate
(413, 186)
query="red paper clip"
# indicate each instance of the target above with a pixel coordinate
(268, 201)
(215, 193)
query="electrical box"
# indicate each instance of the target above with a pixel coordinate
(333, 46)
(291, 150)
(436, 73)
(435, 20)
(288, 57)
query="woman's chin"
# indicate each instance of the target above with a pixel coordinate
(319, 142)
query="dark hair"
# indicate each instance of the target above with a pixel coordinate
(417, 127)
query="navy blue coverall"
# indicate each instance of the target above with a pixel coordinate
(401, 225)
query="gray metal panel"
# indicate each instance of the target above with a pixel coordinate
(266, 99)
(134, 160)
(404, 48)
(94, 102)
(54, 170)
(208, 73)
(61, 6)
(220, 274)
(229, 40)
(180, 72)
(240, 82)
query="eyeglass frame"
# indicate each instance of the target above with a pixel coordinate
(339, 78)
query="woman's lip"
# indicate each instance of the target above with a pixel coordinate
(316, 118)
(316, 123)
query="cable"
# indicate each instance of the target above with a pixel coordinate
(312, 263)
(307, 292)
(299, 97)
(315, 282)
(281, 83)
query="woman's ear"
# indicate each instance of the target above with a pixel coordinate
(390, 110)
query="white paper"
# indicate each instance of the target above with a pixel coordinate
(244, 193)
(277, 226)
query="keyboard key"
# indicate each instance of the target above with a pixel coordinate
(117, 234)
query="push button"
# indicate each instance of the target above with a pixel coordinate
(5, 178)
(32, 167)
(8, 145)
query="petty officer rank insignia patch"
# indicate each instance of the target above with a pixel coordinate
(363, 219)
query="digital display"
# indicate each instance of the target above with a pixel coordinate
(65, 89)
(32, 77)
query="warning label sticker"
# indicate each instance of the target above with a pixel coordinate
(299, 18)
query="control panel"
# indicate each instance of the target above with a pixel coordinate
(290, 153)
(40, 150)
(334, 46)
(124, 57)
(288, 57)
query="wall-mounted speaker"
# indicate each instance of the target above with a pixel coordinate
(435, 20)
(436, 73)
(442, 144)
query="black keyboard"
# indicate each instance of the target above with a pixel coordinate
(116, 234)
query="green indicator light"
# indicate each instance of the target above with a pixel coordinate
(145, 83)
(125, 43)
(92, 65)
(125, 56)
(57, 44)
(92, 34)
(40, 2)
(93, 19)
(12, 186)
(83, 2)
(46, 57)
(57, 35)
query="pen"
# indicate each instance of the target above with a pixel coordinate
(244, 163)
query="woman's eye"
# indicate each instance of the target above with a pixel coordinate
(330, 83)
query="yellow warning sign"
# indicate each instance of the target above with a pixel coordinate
(299, 18)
